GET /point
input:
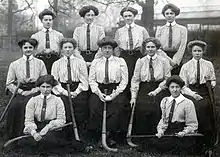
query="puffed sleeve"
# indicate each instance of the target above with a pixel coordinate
(83, 78)
(163, 123)
(92, 77)
(61, 118)
(177, 58)
(190, 117)
(11, 78)
(29, 123)
(124, 77)
(136, 79)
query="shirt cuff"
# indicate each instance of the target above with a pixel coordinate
(33, 132)
(20, 91)
(78, 91)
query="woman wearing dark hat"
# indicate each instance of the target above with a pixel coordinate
(173, 37)
(72, 70)
(88, 34)
(24, 71)
(196, 73)
(148, 81)
(129, 39)
(45, 112)
(48, 39)
(178, 112)
(111, 73)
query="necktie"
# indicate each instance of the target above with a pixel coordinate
(131, 44)
(27, 68)
(43, 111)
(170, 36)
(47, 39)
(69, 70)
(88, 36)
(198, 73)
(171, 111)
(151, 70)
(106, 71)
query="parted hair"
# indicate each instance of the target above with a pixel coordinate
(150, 39)
(107, 41)
(86, 9)
(32, 41)
(46, 79)
(171, 6)
(176, 79)
(133, 10)
(68, 40)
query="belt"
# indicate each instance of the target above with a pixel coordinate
(27, 86)
(131, 52)
(47, 55)
(88, 52)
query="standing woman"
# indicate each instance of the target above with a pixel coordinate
(26, 70)
(148, 81)
(196, 73)
(129, 39)
(173, 37)
(111, 73)
(71, 69)
(48, 39)
(88, 34)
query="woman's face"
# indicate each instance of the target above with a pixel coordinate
(89, 17)
(107, 51)
(151, 48)
(67, 49)
(169, 15)
(45, 89)
(27, 49)
(174, 89)
(47, 21)
(197, 52)
(128, 17)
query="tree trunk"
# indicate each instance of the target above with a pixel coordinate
(9, 28)
(55, 21)
(147, 17)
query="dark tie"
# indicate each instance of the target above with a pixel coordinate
(43, 111)
(151, 70)
(131, 44)
(106, 71)
(69, 70)
(171, 111)
(27, 67)
(47, 39)
(170, 36)
(88, 36)
(198, 73)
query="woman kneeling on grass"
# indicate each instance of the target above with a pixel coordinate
(44, 113)
(178, 112)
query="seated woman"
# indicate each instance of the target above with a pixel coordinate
(45, 112)
(72, 70)
(196, 73)
(148, 81)
(111, 73)
(24, 72)
(178, 112)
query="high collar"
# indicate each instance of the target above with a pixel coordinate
(154, 57)
(86, 24)
(132, 25)
(47, 97)
(25, 57)
(44, 29)
(172, 24)
(179, 99)
(194, 60)
(65, 57)
(110, 58)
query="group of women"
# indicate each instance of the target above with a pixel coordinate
(98, 69)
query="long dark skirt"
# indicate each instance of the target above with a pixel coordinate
(147, 111)
(115, 108)
(80, 107)
(204, 113)
(53, 141)
(16, 113)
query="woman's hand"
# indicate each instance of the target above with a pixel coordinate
(132, 102)
(181, 134)
(152, 93)
(102, 96)
(73, 94)
(159, 134)
(108, 98)
(37, 136)
(197, 97)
